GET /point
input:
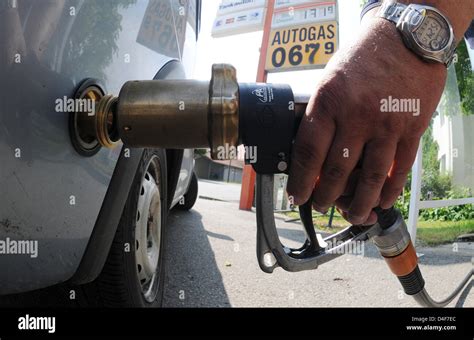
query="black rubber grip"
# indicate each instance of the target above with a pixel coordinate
(386, 218)
(412, 283)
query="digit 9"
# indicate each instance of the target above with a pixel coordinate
(329, 47)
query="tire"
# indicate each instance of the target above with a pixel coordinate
(134, 273)
(191, 196)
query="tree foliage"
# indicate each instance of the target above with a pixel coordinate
(465, 78)
(95, 39)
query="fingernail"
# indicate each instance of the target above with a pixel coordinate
(370, 222)
(356, 220)
(322, 210)
(385, 205)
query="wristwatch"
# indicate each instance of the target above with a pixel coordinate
(424, 29)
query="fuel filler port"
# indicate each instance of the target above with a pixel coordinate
(90, 130)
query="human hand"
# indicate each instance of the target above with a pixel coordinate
(352, 119)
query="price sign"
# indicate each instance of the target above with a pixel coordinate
(304, 14)
(302, 47)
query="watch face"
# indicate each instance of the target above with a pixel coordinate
(433, 34)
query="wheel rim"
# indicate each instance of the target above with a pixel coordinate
(148, 231)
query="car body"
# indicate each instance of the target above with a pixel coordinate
(50, 193)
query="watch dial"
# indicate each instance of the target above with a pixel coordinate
(433, 34)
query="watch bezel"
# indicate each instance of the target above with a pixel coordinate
(429, 15)
(409, 29)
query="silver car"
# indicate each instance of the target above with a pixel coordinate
(73, 215)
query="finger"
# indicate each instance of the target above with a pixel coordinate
(342, 158)
(351, 183)
(312, 143)
(371, 220)
(344, 203)
(397, 177)
(376, 164)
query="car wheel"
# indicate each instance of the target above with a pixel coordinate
(133, 275)
(190, 197)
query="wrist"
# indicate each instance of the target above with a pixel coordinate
(424, 30)
(385, 35)
(459, 13)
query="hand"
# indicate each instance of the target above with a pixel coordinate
(351, 120)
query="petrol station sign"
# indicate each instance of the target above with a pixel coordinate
(304, 14)
(304, 35)
(239, 16)
(301, 47)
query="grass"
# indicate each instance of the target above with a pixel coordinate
(431, 233)
(440, 232)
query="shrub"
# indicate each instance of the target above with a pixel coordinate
(455, 213)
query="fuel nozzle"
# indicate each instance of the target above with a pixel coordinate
(175, 114)
(186, 114)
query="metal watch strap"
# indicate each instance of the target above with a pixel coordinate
(452, 53)
(392, 11)
(368, 8)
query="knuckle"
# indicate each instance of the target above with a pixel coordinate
(328, 95)
(373, 178)
(400, 175)
(394, 190)
(334, 172)
(392, 127)
(305, 154)
(320, 203)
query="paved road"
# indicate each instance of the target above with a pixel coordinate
(212, 263)
(229, 192)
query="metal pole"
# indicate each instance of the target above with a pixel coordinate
(414, 210)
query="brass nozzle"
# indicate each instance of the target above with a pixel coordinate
(174, 114)
(105, 129)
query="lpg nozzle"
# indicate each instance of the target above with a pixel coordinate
(180, 114)
(175, 114)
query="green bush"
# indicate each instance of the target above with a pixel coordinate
(455, 213)
(403, 203)
(435, 185)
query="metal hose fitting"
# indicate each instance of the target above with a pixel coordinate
(105, 130)
(395, 246)
(175, 114)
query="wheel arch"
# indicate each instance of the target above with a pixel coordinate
(108, 219)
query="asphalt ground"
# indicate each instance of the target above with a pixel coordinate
(211, 262)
